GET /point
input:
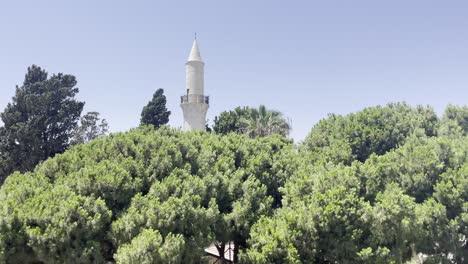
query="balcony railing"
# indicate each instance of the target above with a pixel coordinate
(194, 98)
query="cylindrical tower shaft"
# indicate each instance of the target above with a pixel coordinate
(194, 103)
(195, 77)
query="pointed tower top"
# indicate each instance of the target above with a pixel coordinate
(195, 52)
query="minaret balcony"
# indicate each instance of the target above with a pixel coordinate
(194, 98)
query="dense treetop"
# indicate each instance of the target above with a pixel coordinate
(372, 130)
(155, 112)
(377, 186)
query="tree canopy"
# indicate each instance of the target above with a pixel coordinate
(372, 130)
(163, 196)
(39, 122)
(194, 188)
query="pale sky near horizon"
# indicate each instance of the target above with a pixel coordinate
(303, 58)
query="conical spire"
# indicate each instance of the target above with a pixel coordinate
(195, 52)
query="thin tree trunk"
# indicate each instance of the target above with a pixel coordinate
(236, 253)
(221, 247)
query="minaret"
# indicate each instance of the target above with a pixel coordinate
(194, 103)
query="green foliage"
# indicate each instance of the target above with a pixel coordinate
(400, 198)
(163, 196)
(324, 219)
(39, 122)
(393, 223)
(90, 128)
(230, 121)
(372, 130)
(274, 241)
(155, 112)
(56, 224)
(43, 221)
(148, 248)
(458, 115)
(189, 188)
(252, 122)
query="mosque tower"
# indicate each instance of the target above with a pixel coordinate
(194, 103)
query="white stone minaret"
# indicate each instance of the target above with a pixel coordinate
(194, 103)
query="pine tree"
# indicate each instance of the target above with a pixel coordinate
(39, 122)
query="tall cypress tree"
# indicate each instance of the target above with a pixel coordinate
(155, 112)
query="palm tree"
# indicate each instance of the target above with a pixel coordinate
(262, 122)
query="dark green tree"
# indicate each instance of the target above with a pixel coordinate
(155, 112)
(230, 121)
(90, 128)
(39, 122)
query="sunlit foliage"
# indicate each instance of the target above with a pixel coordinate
(378, 186)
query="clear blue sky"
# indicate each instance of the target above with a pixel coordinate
(304, 58)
